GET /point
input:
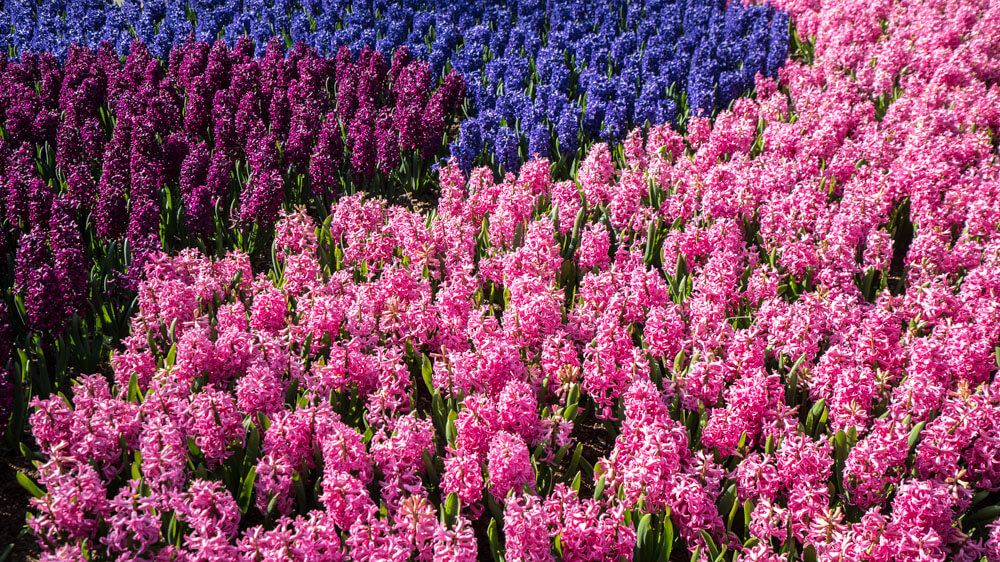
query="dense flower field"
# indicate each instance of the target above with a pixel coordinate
(543, 77)
(105, 161)
(765, 330)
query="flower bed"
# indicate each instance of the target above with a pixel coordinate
(547, 78)
(105, 161)
(771, 335)
(393, 381)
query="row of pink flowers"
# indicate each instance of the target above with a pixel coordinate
(784, 323)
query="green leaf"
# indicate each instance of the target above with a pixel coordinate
(560, 454)
(432, 472)
(28, 484)
(678, 361)
(292, 392)
(694, 423)
(656, 372)
(265, 423)
(814, 414)
(792, 387)
(133, 388)
(840, 445)
(15, 429)
(171, 356)
(307, 345)
(840, 457)
(494, 536)
(574, 394)
(642, 531)
(450, 431)
(769, 445)
(647, 254)
(571, 411)
(668, 538)
(493, 507)
(790, 546)
(915, 435)
(451, 509)
(581, 216)
(252, 449)
(599, 488)
(137, 466)
(682, 268)
(300, 493)
(730, 496)
(437, 407)
(272, 506)
(713, 551)
(172, 529)
(979, 497)
(193, 448)
(575, 461)
(40, 377)
(246, 490)
(566, 272)
(427, 370)
(28, 453)
(987, 513)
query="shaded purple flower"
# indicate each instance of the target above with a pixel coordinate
(327, 156)
(20, 169)
(109, 214)
(262, 195)
(194, 189)
(433, 122)
(361, 141)
(38, 282)
(387, 142)
(411, 97)
(144, 207)
(69, 257)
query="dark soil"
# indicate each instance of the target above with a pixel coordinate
(14, 506)
(480, 528)
(902, 246)
(597, 443)
(423, 202)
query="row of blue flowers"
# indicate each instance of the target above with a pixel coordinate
(543, 77)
